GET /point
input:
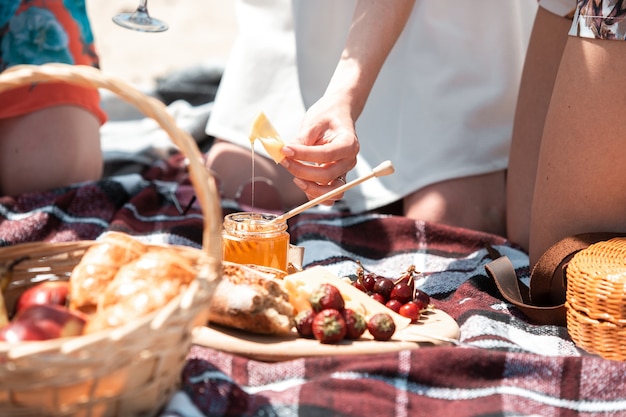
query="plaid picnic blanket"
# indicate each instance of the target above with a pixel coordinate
(505, 366)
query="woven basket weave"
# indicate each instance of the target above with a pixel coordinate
(129, 371)
(596, 299)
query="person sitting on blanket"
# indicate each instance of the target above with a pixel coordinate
(545, 49)
(429, 85)
(567, 173)
(49, 132)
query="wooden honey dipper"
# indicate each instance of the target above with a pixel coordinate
(381, 170)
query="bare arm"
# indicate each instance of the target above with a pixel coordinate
(376, 26)
(327, 136)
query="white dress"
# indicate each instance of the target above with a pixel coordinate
(443, 104)
(559, 7)
(260, 75)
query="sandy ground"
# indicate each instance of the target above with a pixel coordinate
(201, 31)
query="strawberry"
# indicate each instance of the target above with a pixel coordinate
(329, 326)
(304, 323)
(381, 326)
(327, 296)
(355, 324)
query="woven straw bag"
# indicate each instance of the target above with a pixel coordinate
(596, 298)
(578, 283)
(129, 371)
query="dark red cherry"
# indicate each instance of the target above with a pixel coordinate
(393, 305)
(383, 286)
(402, 292)
(423, 297)
(411, 310)
(378, 297)
(369, 281)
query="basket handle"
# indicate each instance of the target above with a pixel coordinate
(82, 75)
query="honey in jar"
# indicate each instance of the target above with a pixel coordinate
(253, 238)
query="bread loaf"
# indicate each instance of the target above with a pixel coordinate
(251, 298)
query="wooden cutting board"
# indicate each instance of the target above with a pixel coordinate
(434, 327)
(434, 323)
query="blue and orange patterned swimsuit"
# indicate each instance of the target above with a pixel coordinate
(44, 31)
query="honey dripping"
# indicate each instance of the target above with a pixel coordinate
(263, 130)
(252, 154)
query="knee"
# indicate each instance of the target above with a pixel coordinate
(476, 202)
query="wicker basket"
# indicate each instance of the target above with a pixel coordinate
(129, 371)
(596, 299)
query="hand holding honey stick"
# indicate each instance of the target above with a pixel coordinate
(385, 168)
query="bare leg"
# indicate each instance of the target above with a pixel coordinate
(476, 202)
(50, 148)
(581, 176)
(232, 164)
(540, 68)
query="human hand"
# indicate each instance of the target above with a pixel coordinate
(325, 149)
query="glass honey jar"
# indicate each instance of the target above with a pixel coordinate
(253, 238)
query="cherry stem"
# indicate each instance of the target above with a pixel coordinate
(410, 272)
(360, 272)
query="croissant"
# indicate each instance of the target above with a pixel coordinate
(98, 267)
(142, 286)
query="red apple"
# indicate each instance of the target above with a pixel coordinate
(15, 332)
(49, 292)
(4, 314)
(43, 322)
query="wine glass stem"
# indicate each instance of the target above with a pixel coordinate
(143, 6)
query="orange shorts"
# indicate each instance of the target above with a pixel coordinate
(42, 31)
